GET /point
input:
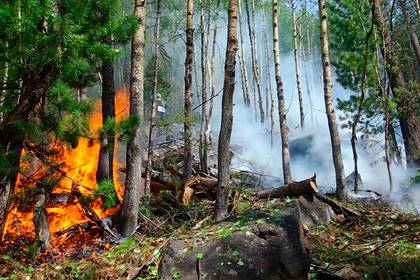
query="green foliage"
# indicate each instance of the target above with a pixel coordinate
(106, 192)
(51, 49)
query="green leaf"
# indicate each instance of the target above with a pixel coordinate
(235, 253)
(240, 262)
(200, 255)
(176, 275)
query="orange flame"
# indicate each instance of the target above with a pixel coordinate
(80, 165)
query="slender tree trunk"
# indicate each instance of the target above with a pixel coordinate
(188, 125)
(408, 116)
(242, 61)
(212, 71)
(341, 190)
(254, 59)
(287, 173)
(154, 105)
(270, 86)
(411, 31)
(133, 184)
(305, 67)
(106, 155)
(360, 108)
(223, 185)
(296, 55)
(204, 66)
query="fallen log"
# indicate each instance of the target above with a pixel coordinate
(90, 213)
(307, 186)
(338, 208)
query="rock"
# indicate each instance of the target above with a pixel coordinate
(350, 181)
(258, 244)
(314, 211)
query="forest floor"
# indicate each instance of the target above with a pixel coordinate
(383, 242)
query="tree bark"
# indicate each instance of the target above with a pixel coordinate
(129, 211)
(287, 174)
(307, 186)
(341, 190)
(188, 105)
(223, 185)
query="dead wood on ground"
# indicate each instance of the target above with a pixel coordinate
(307, 186)
(90, 213)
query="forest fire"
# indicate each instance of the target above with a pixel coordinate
(73, 168)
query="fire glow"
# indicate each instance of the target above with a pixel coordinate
(79, 165)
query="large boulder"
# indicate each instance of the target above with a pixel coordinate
(263, 243)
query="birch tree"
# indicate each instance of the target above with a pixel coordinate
(188, 94)
(287, 174)
(223, 185)
(341, 189)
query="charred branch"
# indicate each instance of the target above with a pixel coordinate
(90, 213)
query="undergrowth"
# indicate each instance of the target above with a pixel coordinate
(382, 243)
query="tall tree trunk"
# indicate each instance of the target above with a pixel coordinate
(154, 105)
(188, 109)
(305, 67)
(133, 184)
(106, 155)
(297, 70)
(223, 185)
(211, 79)
(242, 62)
(360, 108)
(287, 173)
(408, 115)
(204, 67)
(254, 58)
(341, 190)
(411, 31)
(269, 85)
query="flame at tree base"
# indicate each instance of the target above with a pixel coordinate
(75, 166)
